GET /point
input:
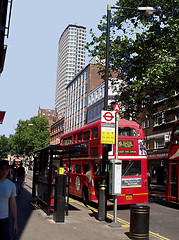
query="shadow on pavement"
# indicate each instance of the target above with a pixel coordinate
(24, 210)
(159, 196)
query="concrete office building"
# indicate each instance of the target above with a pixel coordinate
(71, 60)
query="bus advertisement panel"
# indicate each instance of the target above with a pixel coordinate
(86, 168)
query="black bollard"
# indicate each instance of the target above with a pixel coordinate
(102, 203)
(59, 199)
(139, 222)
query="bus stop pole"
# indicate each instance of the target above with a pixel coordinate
(116, 158)
(116, 180)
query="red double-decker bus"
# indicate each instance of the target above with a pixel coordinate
(86, 168)
(173, 171)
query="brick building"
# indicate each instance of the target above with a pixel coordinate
(56, 130)
(50, 114)
(157, 129)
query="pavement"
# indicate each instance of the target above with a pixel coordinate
(80, 224)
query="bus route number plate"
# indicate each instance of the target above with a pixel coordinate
(128, 197)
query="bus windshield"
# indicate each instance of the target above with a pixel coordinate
(127, 131)
(131, 168)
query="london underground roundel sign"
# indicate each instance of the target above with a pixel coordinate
(108, 117)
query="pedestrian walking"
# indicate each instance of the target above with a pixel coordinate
(20, 178)
(7, 201)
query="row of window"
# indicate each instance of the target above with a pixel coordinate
(161, 118)
(81, 136)
(79, 169)
(94, 133)
(96, 95)
(158, 143)
(75, 95)
(77, 82)
(129, 168)
(76, 107)
(76, 120)
(57, 128)
(95, 112)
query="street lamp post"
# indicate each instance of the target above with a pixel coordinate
(102, 188)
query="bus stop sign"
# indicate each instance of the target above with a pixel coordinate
(107, 127)
(108, 117)
(116, 108)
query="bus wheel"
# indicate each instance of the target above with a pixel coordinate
(85, 195)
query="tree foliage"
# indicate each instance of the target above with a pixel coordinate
(143, 49)
(30, 135)
(3, 146)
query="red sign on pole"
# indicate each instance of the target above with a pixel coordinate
(2, 113)
(116, 107)
(108, 116)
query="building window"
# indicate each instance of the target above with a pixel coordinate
(85, 101)
(86, 87)
(159, 143)
(146, 123)
(159, 119)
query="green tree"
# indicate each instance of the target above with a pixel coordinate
(3, 146)
(143, 49)
(30, 135)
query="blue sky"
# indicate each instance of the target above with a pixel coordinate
(29, 75)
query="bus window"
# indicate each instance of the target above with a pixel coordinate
(127, 131)
(131, 168)
(175, 139)
(64, 166)
(73, 168)
(85, 168)
(79, 137)
(78, 168)
(74, 139)
(94, 133)
(86, 135)
(95, 151)
(70, 140)
(65, 141)
(97, 169)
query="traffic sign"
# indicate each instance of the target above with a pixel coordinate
(116, 107)
(108, 117)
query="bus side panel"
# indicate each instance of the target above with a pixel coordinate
(132, 198)
(138, 190)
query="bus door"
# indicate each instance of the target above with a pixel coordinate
(72, 179)
(96, 178)
(77, 180)
(174, 181)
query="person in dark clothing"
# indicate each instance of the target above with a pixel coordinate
(20, 177)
